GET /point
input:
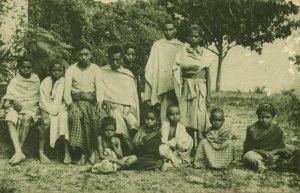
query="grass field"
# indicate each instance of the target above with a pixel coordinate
(32, 176)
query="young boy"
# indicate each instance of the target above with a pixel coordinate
(109, 149)
(146, 143)
(216, 150)
(176, 142)
(159, 86)
(120, 95)
(264, 146)
(54, 110)
(21, 103)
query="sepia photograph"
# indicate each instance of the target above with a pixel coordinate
(146, 96)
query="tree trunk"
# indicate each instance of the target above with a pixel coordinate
(218, 81)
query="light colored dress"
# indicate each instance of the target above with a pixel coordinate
(191, 91)
(51, 101)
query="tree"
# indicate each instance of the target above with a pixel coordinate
(228, 23)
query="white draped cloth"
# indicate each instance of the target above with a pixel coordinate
(51, 101)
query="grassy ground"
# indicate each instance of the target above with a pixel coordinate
(31, 176)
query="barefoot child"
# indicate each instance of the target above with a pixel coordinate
(21, 104)
(176, 142)
(109, 149)
(264, 146)
(216, 150)
(54, 111)
(146, 143)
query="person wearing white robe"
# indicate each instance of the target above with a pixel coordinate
(54, 111)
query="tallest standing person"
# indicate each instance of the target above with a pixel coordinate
(159, 87)
(84, 95)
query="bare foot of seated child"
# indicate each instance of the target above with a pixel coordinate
(17, 158)
(43, 158)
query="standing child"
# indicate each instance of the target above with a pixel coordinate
(21, 103)
(264, 146)
(146, 143)
(191, 78)
(54, 111)
(176, 142)
(216, 150)
(159, 87)
(110, 151)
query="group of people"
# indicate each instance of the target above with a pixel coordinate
(97, 111)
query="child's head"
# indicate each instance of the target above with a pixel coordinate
(24, 65)
(83, 50)
(115, 54)
(173, 114)
(130, 52)
(216, 118)
(152, 119)
(108, 127)
(265, 113)
(57, 69)
(169, 29)
(193, 35)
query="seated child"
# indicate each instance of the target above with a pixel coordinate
(146, 143)
(54, 111)
(176, 142)
(109, 149)
(21, 104)
(216, 150)
(264, 146)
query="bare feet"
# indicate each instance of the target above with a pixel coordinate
(82, 160)
(44, 159)
(12, 159)
(92, 158)
(67, 158)
(18, 158)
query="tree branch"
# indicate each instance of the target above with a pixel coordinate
(213, 51)
(228, 48)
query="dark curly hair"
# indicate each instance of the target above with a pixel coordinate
(266, 107)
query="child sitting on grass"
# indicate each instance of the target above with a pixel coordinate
(109, 149)
(216, 150)
(176, 142)
(146, 142)
(264, 146)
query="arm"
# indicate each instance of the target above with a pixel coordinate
(68, 87)
(116, 144)
(208, 84)
(101, 152)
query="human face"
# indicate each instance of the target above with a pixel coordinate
(115, 61)
(84, 57)
(151, 120)
(57, 71)
(109, 131)
(169, 31)
(130, 55)
(265, 119)
(173, 115)
(25, 69)
(217, 120)
(194, 38)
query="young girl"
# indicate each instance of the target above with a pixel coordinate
(147, 141)
(216, 150)
(21, 104)
(54, 111)
(176, 142)
(110, 151)
(264, 146)
(192, 81)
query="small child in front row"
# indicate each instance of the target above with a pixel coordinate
(109, 149)
(216, 149)
(176, 142)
